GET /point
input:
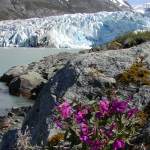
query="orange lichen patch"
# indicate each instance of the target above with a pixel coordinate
(137, 74)
(55, 139)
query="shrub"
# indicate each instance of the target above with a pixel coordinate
(104, 125)
(129, 40)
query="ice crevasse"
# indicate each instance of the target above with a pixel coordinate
(70, 30)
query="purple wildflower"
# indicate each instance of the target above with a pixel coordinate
(131, 113)
(118, 144)
(84, 128)
(84, 138)
(96, 145)
(119, 106)
(80, 116)
(104, 107)
(65, 109)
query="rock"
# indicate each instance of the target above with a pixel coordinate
(143, 138)
(10, 114)
(146, 134)
(14, 86)
(13, 73)
(28, 80)
(10, 136)
(10, 120)
(4, 122)
(142, 98)
(87, 76)
(20, 111)
(25, 84)
(84, 76)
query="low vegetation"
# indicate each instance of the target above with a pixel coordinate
(138, 74)
(129, 40)
(107, 124)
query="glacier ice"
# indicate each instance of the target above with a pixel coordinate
(70, 30)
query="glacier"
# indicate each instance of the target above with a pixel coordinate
(70, 30)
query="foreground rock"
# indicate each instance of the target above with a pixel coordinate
(29, 79)
(12, 119)
(24, 84)
(84, 76)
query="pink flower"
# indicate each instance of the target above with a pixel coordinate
(80, 116)
(103, 109)
(113, 126)
(95, 145)
(104, 106)
(109, 131)
(84, 135)
(118, 144)
(65, 109)
(58, 122)
(84, 138)
(119, 106)
(131, 113)
(84, 128)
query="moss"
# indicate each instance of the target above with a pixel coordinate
(137, 74)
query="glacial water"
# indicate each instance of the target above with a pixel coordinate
(18, 56)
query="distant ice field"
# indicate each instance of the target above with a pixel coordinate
(70, 30)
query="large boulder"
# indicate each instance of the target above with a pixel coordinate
(13, 73)
(25, 84)
(28, 80)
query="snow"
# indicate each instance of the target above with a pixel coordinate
(139, 8)
(120, 2)
(70, 31)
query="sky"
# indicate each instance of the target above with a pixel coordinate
(135, 2)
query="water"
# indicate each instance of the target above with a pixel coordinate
(18, 56)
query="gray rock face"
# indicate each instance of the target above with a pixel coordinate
(84, 76)
(11, 120)
(13, 9)
(89, 76)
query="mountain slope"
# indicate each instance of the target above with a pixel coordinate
(13, 9)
